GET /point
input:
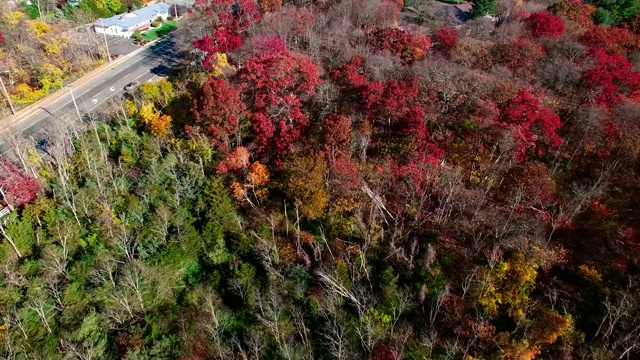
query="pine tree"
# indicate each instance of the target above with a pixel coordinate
(482, 8)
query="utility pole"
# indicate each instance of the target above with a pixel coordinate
(4, 90)
(175, 11)
(74, 102)
(106, 44)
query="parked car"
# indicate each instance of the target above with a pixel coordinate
(131, 85)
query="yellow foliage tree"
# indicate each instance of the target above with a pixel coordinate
(305, 183)
(160, 126)
(148, 113)
(159, 93)
(220, 63)
(13, 18)
(521, 351)
(25, 94)
(40, 27)
(508, 285)
(549, 325)
(166, 91)
(129, 107)
(54, 74)
(149, 91)
(54, 46)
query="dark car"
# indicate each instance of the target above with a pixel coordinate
(43, 144)
(131, 85)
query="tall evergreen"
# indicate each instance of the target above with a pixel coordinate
(482, 8)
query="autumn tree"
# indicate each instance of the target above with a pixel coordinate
(530, 123)
(545, 24)
(611, 39)
(507, 285)
(337, 132)
(230, 20)
(309, 191)
(447, 38)
(268, 6)
(409, 47)
(269, 45)
(218, 111)
(222, 41)
(276, 87)
(160, 125)
(611, 76)
(253, 190)
(19, 188)
(520, 55)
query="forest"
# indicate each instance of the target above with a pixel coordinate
(343, 179)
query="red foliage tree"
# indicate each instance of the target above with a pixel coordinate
(19, 188)
(1, 37)
(447, 38)
(520, 55)
(530, 123)
(231, 19)
(269, 45)
(344, 175)
(303, 21)
(337, 132)
(352, 74)
(233, 15)
(222, 41)
(545, 24)
(533, 182)
(611, 76)
(400, 43)
(392, 104)
(217, 111)
(412, 187)
(391, 101)
(278, 84)
(610, 39)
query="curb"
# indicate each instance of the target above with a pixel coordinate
(30, 109)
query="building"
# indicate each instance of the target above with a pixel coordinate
(126, 24)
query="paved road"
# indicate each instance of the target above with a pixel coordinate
(148, 65)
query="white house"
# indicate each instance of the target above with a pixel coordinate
(126, 24)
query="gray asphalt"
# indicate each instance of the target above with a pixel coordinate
(148, 65)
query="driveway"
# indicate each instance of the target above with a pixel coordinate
(120, 45)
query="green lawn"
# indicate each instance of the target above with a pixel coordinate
(163, 30)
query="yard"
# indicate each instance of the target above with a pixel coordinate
(166, 28)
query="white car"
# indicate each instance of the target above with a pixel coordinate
(131, 85)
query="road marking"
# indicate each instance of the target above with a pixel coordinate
(95, 101)
(103, 101)
(143, 58)
(112, 89)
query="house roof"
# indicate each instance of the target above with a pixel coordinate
(134, 18)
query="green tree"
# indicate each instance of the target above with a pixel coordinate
(482, 7)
